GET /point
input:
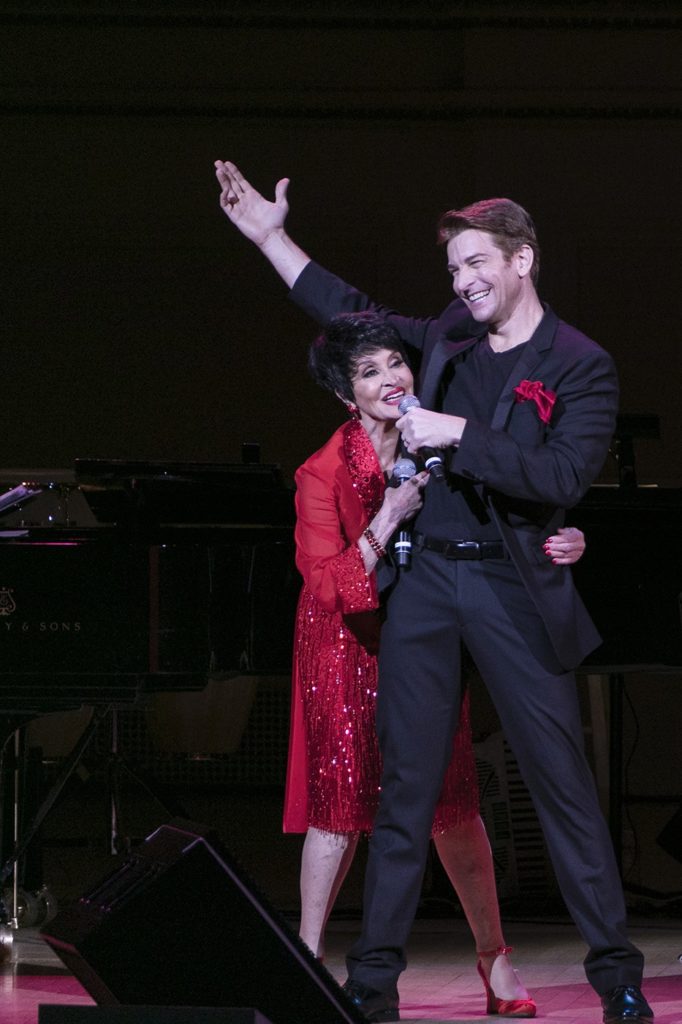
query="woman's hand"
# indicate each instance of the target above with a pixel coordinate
(403, 502)
(566, 546)
(255, 216)
(400, 503)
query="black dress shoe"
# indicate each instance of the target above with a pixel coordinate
(374, 1005)
(626, 1005)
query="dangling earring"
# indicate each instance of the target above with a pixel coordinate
(353, 410)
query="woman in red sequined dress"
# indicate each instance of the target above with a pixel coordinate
(345, 518)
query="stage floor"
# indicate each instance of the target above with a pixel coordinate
(440, 984)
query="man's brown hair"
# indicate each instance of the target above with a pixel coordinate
(509, 224)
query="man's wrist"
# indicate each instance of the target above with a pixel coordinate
(285, 256)
(458, 428)
(275, 238)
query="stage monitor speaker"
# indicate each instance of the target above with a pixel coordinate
(148, 1015)
(179, 923)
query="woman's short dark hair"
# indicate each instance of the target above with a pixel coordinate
(334, 355)
(510, 225)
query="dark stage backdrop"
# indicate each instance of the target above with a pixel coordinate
(137, 323)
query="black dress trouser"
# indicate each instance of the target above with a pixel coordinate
(438, 603)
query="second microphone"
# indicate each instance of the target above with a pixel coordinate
(403, 470)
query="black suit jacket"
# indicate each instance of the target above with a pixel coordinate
(530, 472)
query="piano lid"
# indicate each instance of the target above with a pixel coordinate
(112, 472)
(131, 491)
(40, 498)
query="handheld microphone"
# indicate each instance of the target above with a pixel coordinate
(403, 470)
(433, 460)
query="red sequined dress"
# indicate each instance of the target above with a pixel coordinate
(334, 764)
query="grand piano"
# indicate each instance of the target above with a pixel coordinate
(119, 579)
(133, 576)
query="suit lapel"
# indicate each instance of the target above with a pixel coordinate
(522, 369)
(443, 352)
(530, 356)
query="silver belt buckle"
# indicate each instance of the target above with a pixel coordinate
(468, 549)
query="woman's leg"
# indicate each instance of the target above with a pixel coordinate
(465, 854)
(325, 861)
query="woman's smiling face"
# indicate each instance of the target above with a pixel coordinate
(380, 380)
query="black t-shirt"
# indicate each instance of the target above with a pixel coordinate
(454, 508)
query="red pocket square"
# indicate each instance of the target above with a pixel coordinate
(543, 398)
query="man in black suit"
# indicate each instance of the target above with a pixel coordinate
(522, 408)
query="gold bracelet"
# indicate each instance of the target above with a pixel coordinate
(378, 549)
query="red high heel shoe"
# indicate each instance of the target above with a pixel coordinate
(504, 1007)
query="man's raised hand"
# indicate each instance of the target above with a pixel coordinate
(256, 217)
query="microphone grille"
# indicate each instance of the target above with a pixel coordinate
(404, 469)
(408, 402)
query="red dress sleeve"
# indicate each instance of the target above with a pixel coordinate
(329, 520)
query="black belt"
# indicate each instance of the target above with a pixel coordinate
(473, 550)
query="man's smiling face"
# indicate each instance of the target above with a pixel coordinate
(490, 284)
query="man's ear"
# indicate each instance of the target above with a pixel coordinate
(524, 257)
